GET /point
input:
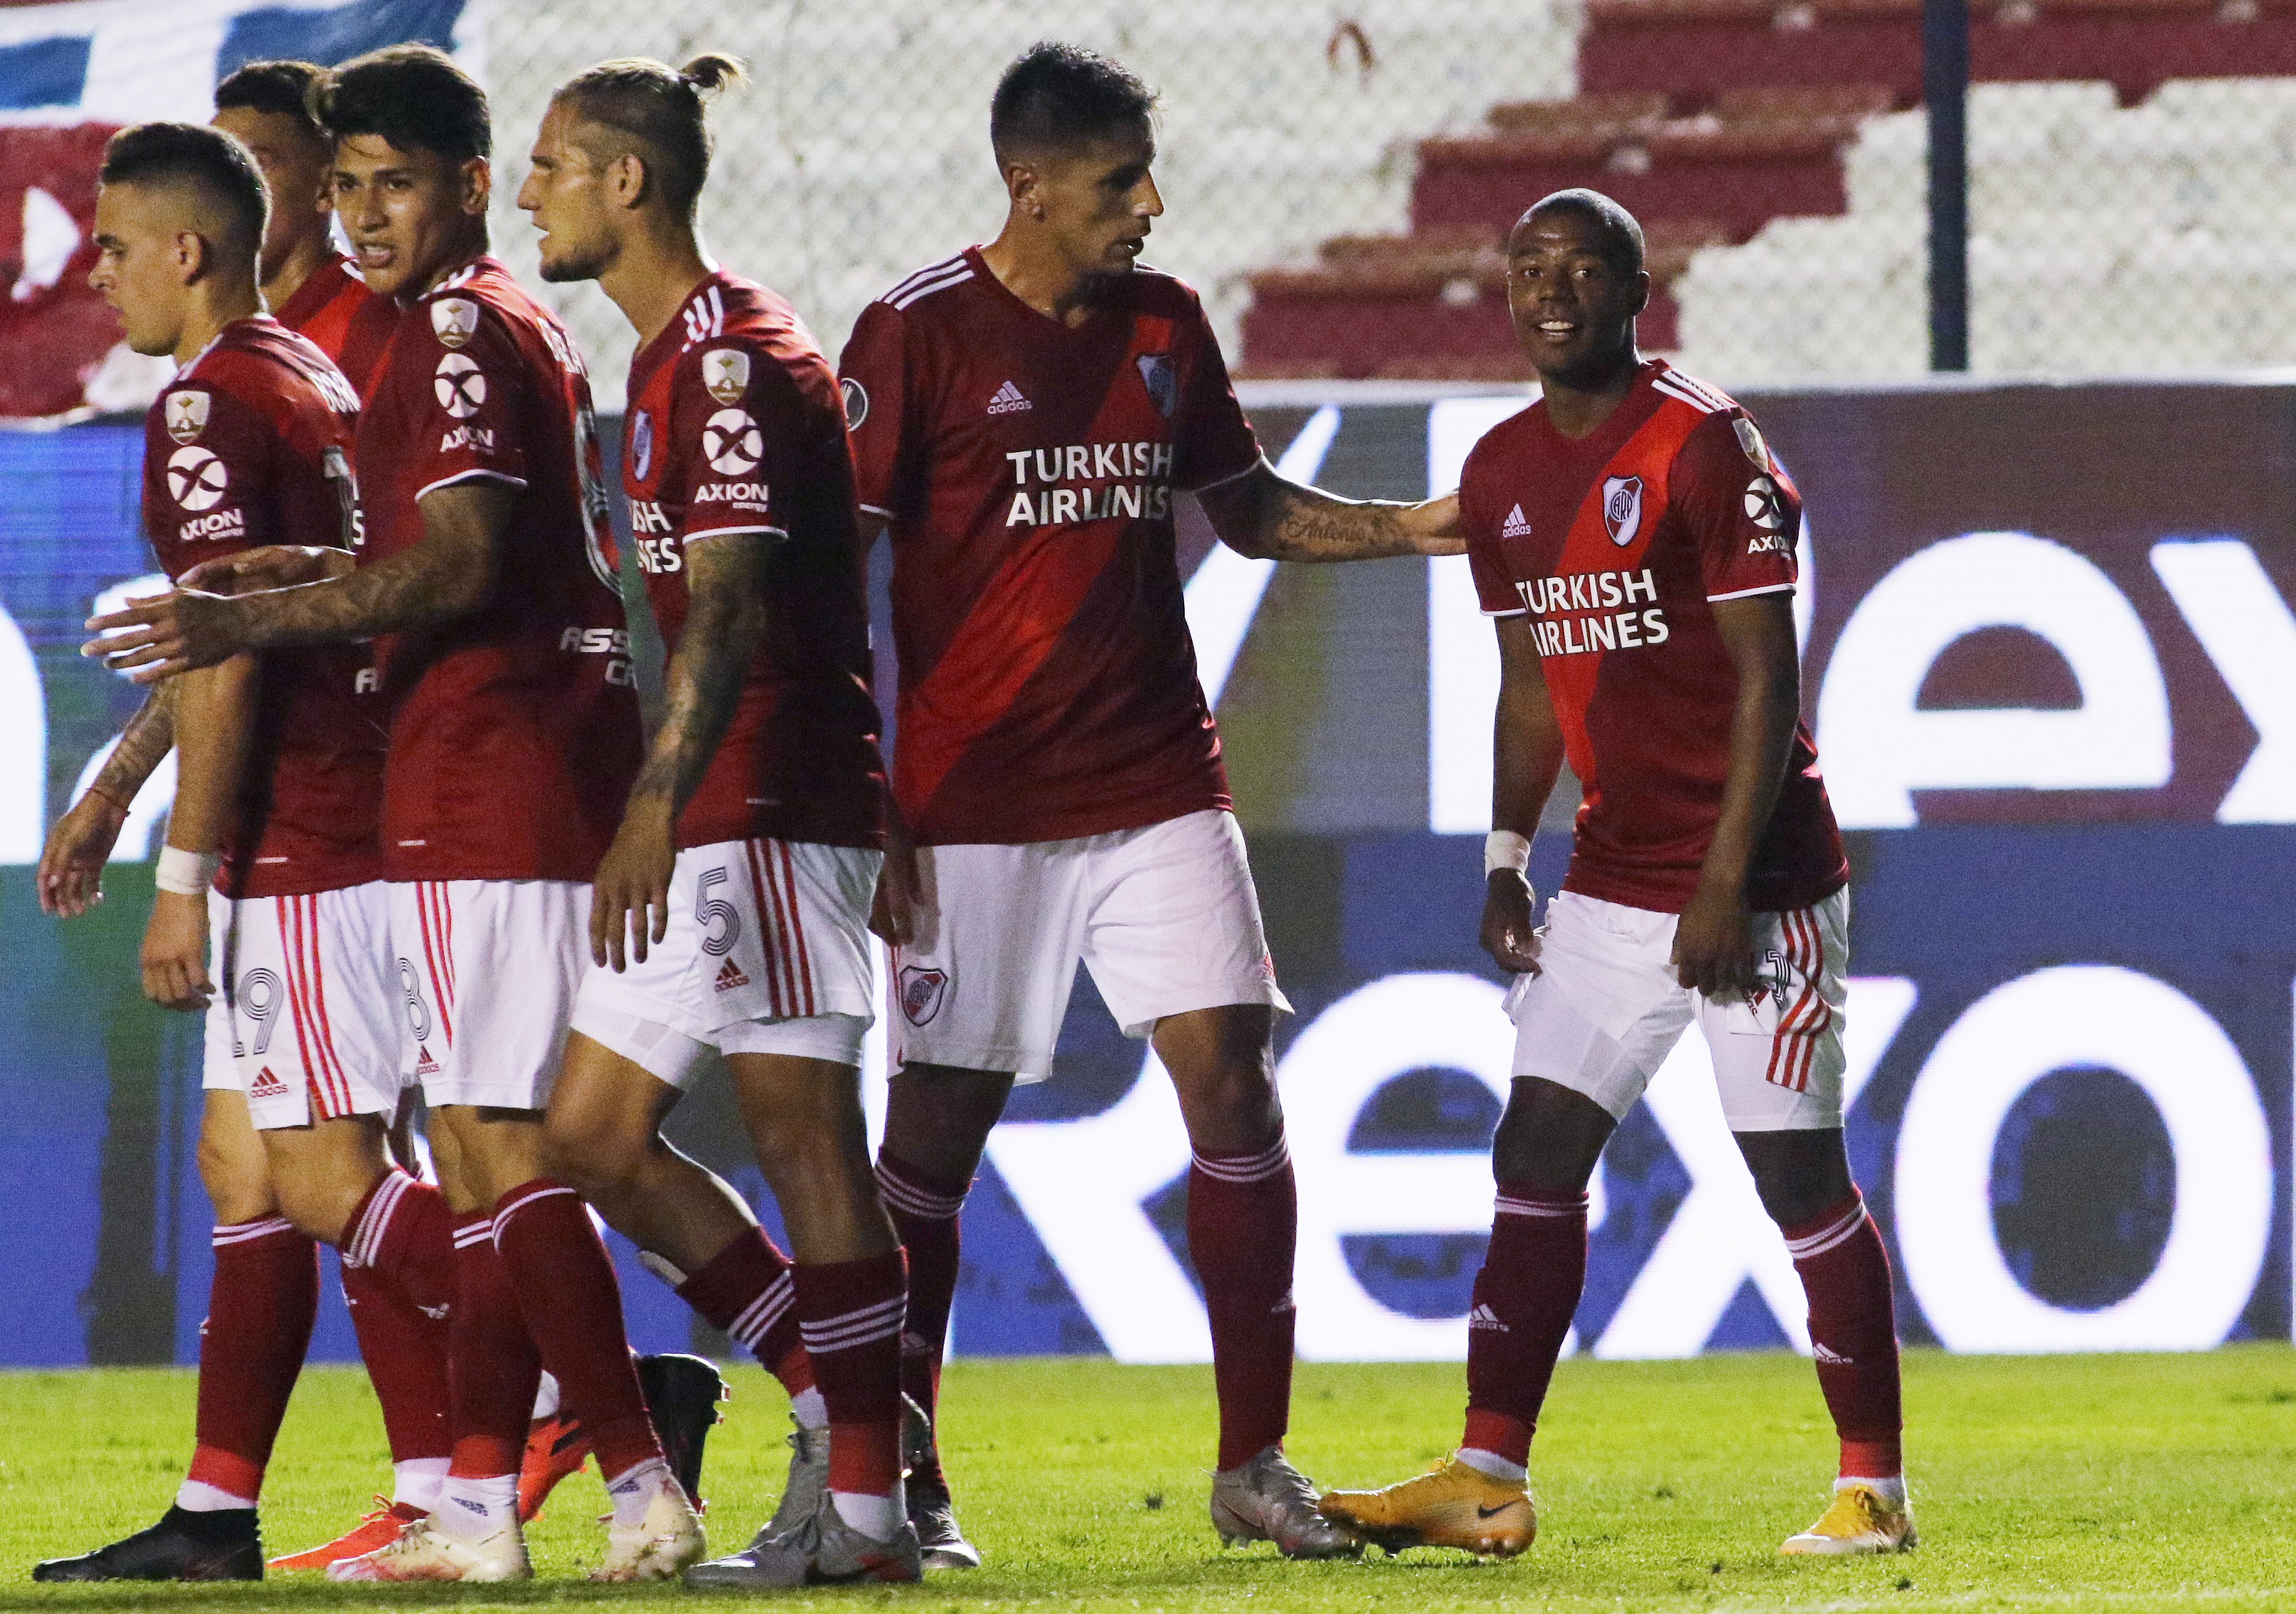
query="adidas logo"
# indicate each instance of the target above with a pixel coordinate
(1483, 1316)
(437, 1313)
(267, 1084)
(1007, 400)
(1835, 1357)
(1515, 525)
(424, 1065)
(731, 977)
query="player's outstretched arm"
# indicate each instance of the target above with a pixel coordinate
(79, 843)
(1526, 760)
(215, 725)
(727, 579)
(1270, 517)
(1714, 944)
(450, 573)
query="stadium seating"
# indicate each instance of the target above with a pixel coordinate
(1775, 150)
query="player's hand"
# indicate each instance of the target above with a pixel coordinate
(1434, 526)
(1508, 934)
(70, 879)
(893, 913)
(629, 903)
(163, 635)
(174, 953)
(1714, 944)
(269, 565)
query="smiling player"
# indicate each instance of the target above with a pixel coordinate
(1633, 538)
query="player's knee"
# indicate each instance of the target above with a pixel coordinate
(592, 1154)
(1550, 1138)
(318, 1204)
(238, 1186)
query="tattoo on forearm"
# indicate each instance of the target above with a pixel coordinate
(144, 744)
(726, 579)
(1308, 524)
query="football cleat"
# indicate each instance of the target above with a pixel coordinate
(1451, 1505)
(379, 1528)
(823, 1551)
(183, 1545)
(659, 1545)
(802, 1493)
(1267, 1499)
(682, 1394)
(930, 1511)
(555, 1448)
(1859, 1519)
(423, 1552)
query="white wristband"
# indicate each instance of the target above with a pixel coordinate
(1505, 850)
(185, 874)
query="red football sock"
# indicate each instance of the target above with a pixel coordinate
(494, 1366)
(926, 1210)
(261, 1304)
(1525, 1295)
(1845, 1273)
(1244, 1229)
(747, 1291)
(399, 1279)
(573, 1306)
(850, 1317)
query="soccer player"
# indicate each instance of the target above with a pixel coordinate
(308, 283)
(1024, 415)
(731, 911)
(271, 857)
(1634, 539)
(514, 741)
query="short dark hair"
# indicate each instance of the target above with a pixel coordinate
(283, 87)
(660, 110)
(412, 95)
(1620, 236)
(193, 156)
(1056, 96)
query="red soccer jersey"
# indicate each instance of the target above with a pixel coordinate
(1614, 544)
(735, 426)
(251, 444)
(351, 324)
(514, 733)
(1048, 685)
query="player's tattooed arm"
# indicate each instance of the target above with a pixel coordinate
(70, 878)
(214, 725)
(450, 573)
(728, 580)
(1526, 760)
(1268, 516)
(1714, 943)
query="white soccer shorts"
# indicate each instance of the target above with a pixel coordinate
(766, 952)
(1165, 916)
(305, 1019)
(1605, 1010)
(486, 973)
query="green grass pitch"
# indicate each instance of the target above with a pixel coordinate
(2115, 1483)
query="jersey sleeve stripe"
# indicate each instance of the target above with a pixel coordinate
(722, 532)
(1221, 481)
(1742, 594)
(477, 474)
(1520, 610)
(877, 510)
(927, 290)
(927, 273)
(1683, 395)
(1710, 393)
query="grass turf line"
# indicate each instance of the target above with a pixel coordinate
(2109, 1483)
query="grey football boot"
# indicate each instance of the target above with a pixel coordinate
(823, 1551)
(802, 1494)
(1268, 1500)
